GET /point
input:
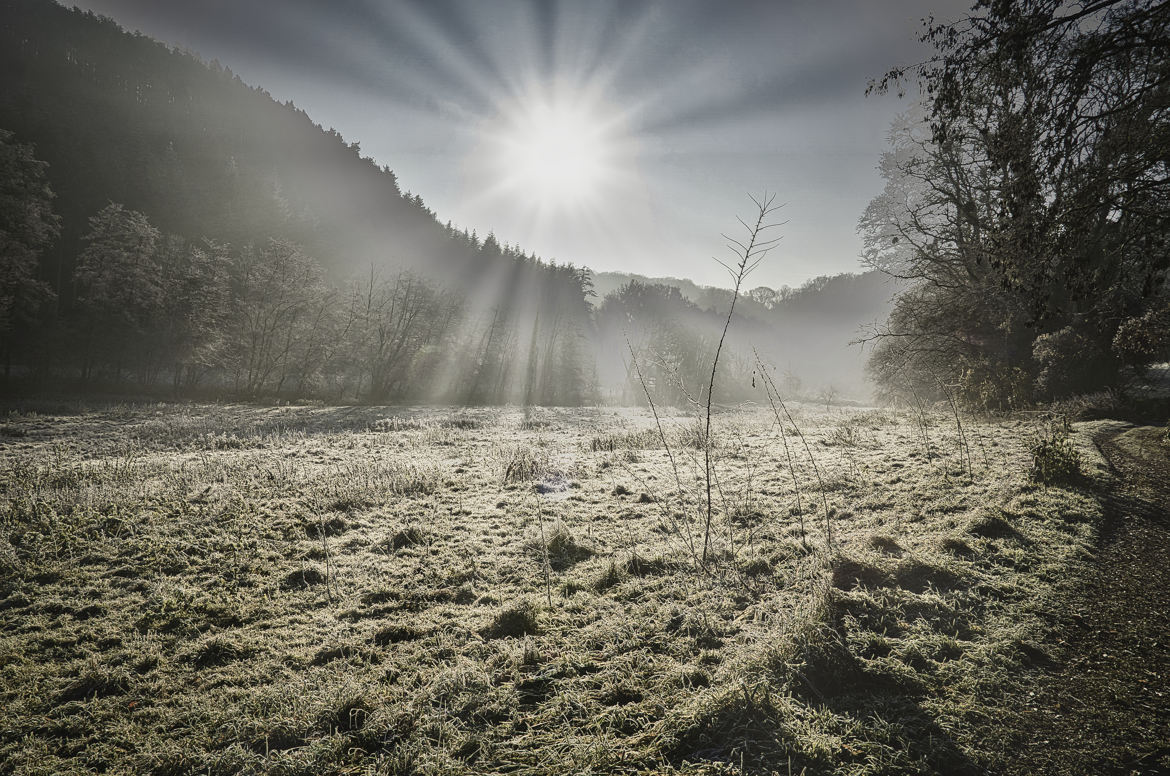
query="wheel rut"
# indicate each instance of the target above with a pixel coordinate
(1103, 706)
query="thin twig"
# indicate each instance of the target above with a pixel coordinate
(749, 256)
(808, 450)
(689, 540)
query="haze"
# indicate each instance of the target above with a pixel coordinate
(697, 108)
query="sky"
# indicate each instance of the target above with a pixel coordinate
(621, 135)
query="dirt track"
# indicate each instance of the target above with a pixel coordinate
(1102, 705)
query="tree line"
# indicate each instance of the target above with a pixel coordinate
(150, 311)
(147, 309)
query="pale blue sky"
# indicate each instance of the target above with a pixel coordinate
(702, 102)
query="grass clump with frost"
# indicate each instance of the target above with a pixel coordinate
(389, 568)
(1055, 461)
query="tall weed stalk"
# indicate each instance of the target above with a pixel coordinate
(775, 399)
(748, 253)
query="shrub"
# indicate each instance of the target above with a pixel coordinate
(1055, 461)
(1088, 406)
(1143, 340)
(994, 387)
(1069, 363)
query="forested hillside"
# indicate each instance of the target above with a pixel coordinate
(171, 228)
(809, 332)
(123, 118)
(176, 225)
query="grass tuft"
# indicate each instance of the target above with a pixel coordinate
(563, 550)
(757, 566)
(611, 576)
(218, 650)
(992, 525)
(885, 544)
(519, 619)
(306, 577)
(410, 536)
(647, 439)
(849, 573)
(523, 463)
(347, 714)
(95, 681)
(332, 527)
(462, 422)
(916, 576)
(396, 634)
(637, 566)
(956, 546)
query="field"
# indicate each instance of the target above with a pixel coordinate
(222, 589)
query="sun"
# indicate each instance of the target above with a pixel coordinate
(556, 155)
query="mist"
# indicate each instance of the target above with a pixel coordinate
(197, 238)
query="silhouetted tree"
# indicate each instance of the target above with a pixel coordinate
(274, 291)
(665, 331)
(27, 226)
(1030, 216)
(118, 290)
(396, 320)
(196, 309)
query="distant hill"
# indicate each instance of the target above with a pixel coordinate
(805, 331)
(605, 283)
